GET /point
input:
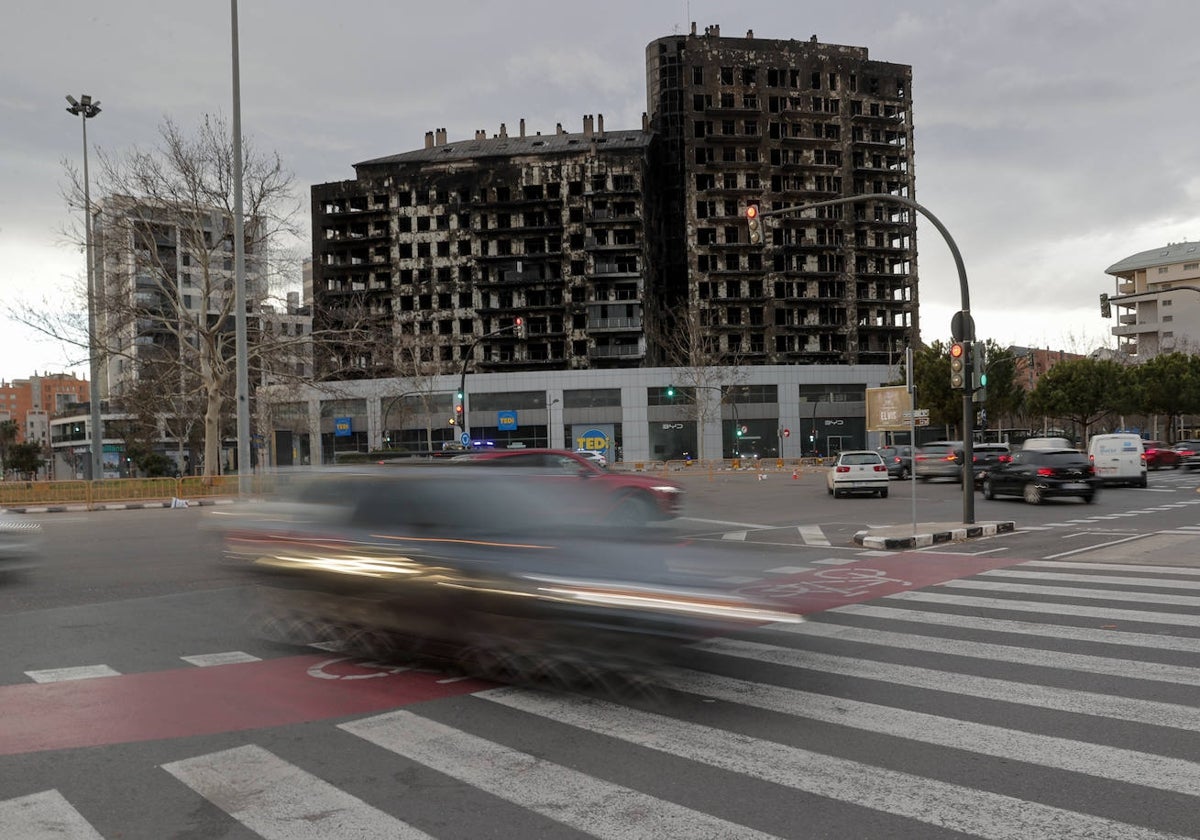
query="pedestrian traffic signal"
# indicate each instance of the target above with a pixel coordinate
(1105, 307)
(754, 224)
(957, 362)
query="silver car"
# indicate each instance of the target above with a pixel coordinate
(940, 459)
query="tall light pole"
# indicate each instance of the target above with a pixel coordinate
(85, 109)
(239, 259)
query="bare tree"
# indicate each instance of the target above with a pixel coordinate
(700, 367)
(164, 268)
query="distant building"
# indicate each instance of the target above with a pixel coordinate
(1166, 315)
(31, 402)
(605, 242)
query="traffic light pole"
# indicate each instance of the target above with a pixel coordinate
(462, 378)
(962, 320)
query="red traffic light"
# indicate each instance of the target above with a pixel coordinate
(752, 211)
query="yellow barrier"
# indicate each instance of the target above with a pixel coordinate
(44, 492)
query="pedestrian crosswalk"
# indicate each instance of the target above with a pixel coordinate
(1054, 699)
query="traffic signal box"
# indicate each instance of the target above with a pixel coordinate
(754, 224)
(958, 361)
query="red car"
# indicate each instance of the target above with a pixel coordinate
(633, 498)
(1160, 455)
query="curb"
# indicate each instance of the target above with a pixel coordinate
(966, 532)
(162, 503)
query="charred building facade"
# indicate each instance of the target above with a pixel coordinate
(610, 245)
(444, 248)
(781, 124)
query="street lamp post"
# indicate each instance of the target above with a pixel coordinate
(85, 108)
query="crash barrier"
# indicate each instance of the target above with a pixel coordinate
(15, 494)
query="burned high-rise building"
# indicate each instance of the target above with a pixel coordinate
(618, 248)
(780, 124)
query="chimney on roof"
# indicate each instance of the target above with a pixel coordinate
(428, 139)
(587, 125)
(522, 127)
(440, 138)
(503, 130)
(600, 124)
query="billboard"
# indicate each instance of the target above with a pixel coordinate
(886, 409)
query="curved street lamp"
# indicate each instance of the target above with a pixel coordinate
(85, 108)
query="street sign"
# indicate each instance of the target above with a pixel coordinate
(465, 438)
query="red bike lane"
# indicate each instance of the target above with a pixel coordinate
(193, 701)
(204, 701)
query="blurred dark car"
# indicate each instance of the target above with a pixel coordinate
(1159, 455)
(1040, 474)
(1189, 454)
(497, 571)
(20, 542)
(940, 459)
(898, 460)
(628, 497)
(986, 456)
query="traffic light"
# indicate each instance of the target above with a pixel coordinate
(519, 327)
(957, 380)
(1105, 307)
(754, 225)
(978, 372)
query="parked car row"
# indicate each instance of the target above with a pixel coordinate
(1039, 468)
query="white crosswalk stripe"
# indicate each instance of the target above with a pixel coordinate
(576, 799)
(940, 711)
(279, 801)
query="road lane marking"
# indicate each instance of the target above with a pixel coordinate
(1121, 765)
(1073, 701)
(208, 660)
(588, 804)
(1057, 660)
(949, 806)
(44, 816)
(81, 672)
(279, 801)
(1025, 628)
(1077, 592)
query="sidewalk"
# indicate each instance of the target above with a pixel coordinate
(157, 503)
(892, 537)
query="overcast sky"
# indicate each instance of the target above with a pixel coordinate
(1052, 138)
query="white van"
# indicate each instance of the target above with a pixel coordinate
(1118, 459)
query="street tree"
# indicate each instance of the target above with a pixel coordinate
(1169, 384)
(1083, 391)
(704, 375)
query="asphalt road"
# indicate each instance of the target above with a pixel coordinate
(1044, 683)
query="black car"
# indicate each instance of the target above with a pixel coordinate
(1038, 474)
(898, 460)
(986, 456)
(479, 566)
